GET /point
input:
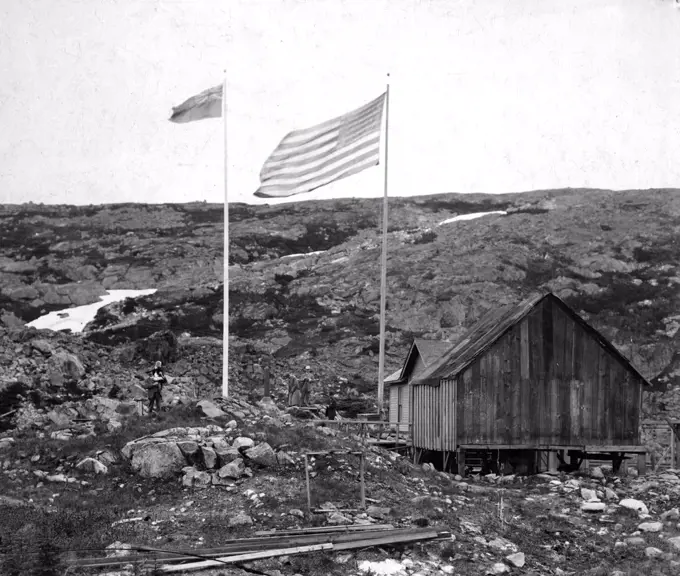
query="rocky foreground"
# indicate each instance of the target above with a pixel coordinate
(167, 485)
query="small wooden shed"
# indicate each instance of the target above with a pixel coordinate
(421, 354)
(532, 377)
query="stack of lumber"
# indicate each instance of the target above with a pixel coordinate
(266, 545)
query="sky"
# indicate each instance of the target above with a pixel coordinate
(490, 96)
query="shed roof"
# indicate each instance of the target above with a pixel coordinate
(429, 350)
(491, 327)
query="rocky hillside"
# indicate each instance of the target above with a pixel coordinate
(613, 256)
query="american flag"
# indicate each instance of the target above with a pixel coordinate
(309, 158)
(313, 157)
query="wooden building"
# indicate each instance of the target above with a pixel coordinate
(529, 381)
(421, 355)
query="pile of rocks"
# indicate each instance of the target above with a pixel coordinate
(206, 456)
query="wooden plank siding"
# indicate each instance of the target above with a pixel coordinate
(434, 416)
(545, 381)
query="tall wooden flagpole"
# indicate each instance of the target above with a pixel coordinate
(225, 322)
(383, 271)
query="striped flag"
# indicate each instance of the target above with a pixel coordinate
(207, 104)
(313, 157)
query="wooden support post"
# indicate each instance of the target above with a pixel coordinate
(461, 462)
(447, 457)
(309, 495)
(641, 463)
(265, 377)
(398, 426)
(363, 484)
(552, 461)
(673, 463)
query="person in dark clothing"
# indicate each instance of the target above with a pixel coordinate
(155, 387)
(331, 410)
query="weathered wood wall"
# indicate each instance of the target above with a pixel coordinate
(434, 417)
(401, 394)
(546, 381)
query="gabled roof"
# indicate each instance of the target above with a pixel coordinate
(394, 377)
(491, 328)
(429, 350)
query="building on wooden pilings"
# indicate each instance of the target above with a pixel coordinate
(421, 354)
(532, 382)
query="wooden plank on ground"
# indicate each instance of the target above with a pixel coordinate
(387, 540)
(317, 529)
(242, 558)
(231, 547)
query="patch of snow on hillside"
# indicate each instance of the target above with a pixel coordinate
(470, 216)
(76, 318)
(303, 254)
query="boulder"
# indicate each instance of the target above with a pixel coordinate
(651, 527)
(675, 542)
(268, 407)
(158, 460)
(609, 494)
(197, 478)
(191, 451)
(127, 408)
(106, 457)
(60, 418)
(93, 466)
(593, 506)
(262, 454)
(226, 455)
(378, 512)
(207, 408)
(43, 346)
(209, 457)
(234, 469)
(516, 559)
(633, 504)
(596, 472)
(243, 442)
(588, 495)
(67, 365)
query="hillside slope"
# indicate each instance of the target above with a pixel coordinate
(613, 256)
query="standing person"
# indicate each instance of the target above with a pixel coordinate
(331, 410)
(155, 387)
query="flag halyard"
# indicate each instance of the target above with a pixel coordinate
(312, 157)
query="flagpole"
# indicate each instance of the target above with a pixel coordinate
(383, 271)
(225, 321)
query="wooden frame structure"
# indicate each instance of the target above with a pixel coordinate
(366, 426)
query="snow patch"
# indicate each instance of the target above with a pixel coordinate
(76, 318)
(470, 216)
(387, 567)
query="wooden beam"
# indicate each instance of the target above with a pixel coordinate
(390, 539)
(318, 529)
(243, 558)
